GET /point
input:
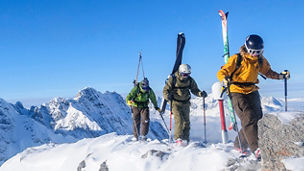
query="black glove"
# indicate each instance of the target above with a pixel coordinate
(226, 81)
(170, 97)
(203, 94)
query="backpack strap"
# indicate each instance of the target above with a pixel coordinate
(238, 64)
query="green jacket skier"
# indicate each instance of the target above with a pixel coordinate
(138, 100)
(177, 92)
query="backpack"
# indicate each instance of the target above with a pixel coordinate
(239, 62)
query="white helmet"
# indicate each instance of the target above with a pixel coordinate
(184, 68)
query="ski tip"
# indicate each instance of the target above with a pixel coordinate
(221, 12)
(181, 33)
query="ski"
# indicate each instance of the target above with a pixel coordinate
(178, 61)
(226, 57)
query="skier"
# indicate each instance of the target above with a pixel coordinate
(177, 92)
(240, 75)
(138, 100)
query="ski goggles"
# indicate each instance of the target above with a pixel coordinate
(185, 74)
(144, 86)
(255, 52)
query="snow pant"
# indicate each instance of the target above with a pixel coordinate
(248, 108)
(141, 121)
(181, 111)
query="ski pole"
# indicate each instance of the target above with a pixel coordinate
(164, 123)
(170, 135)
(285, 87)
(222, 117)
(223, 124)
(204, 107)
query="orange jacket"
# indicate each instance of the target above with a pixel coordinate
(247, 72)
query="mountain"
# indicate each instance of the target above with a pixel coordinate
(18, 132)
(90, 114)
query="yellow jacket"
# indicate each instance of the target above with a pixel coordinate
(246, 73)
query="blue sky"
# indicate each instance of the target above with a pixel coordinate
(55, 48)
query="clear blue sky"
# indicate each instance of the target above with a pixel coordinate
(54, 48)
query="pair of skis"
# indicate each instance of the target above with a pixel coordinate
(233, 122)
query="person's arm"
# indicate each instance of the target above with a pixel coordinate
(267, 71)
(228, 68)
(195, 90)
(131, 96)
(168, 89)
(153, 99)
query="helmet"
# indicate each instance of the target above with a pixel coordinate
(254, 45)
(144, 84)
(184, 68)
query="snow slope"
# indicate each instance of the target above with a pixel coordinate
(116, 150)
(120, 153)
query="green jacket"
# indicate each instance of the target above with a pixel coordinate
(140, 98)
(180, 92)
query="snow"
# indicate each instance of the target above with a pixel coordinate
(286, 117)
(76, 119)
(120, 153)
(294, 164)
(36, 146)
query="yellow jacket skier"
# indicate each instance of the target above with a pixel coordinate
(240, 74)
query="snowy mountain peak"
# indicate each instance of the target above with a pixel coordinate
(89, 93)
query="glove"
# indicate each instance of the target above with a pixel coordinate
(225, 81)
(202, 94)
(170, 97)
(130, 102)
(284, 74)
(158, 109)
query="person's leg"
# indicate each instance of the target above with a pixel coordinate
(178, 121)
(186, 122)
(136, 121)
(145, 121)
(244, 143)
(243, 105)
